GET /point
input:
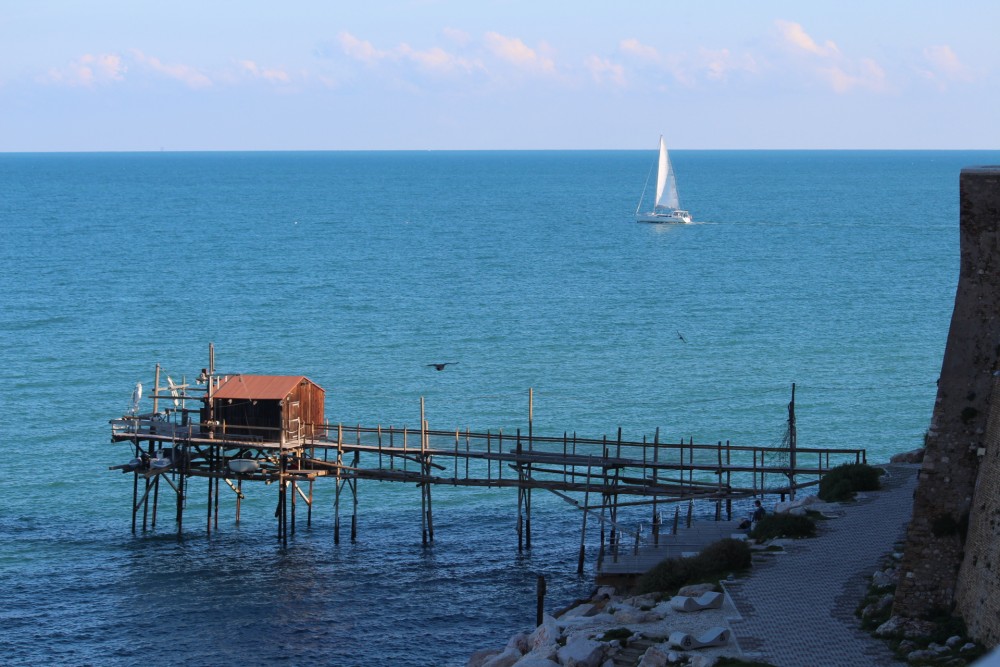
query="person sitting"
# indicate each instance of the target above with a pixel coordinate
(758, 512)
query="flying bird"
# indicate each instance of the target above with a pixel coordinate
(440, 367)
(681, 336)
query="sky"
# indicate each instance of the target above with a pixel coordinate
(131, 75)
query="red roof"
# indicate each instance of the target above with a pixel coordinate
(266, 387)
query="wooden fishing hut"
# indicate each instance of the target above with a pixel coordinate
(272, 408)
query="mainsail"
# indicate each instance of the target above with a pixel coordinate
(666, 184)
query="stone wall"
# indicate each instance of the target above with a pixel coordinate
(936, 538)
(977, 596)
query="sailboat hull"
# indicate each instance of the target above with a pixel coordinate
(669, 217)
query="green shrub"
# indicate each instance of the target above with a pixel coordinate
(783, 525)
(714, 562)
(842, 482)
(726, 554)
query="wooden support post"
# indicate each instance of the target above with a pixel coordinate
(338, 483)
(520, 495)
(293, 483)
(540, 602)
(239, 498)
(379, 446)
(354, 492)
(656, 470)
(729, 484)
(135, 491)
(181, 488)
(211, 469)
(309, 510)
(586, 511)
(423, 481)
(284, 499)
(217, 494)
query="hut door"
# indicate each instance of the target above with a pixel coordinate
(294, 425)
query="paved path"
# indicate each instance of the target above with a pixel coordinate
(797, 608)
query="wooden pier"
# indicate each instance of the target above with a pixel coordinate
(232, 430)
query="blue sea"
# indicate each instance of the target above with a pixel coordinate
(833, 270)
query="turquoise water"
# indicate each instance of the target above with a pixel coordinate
(832, 270)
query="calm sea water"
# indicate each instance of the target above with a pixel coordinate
(833, 270)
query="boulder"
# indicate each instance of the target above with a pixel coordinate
(906, 627)
(656, 656)
(885, 578)
(878, 606)
(506, 658)
(695, 590)
(797, 506)
(923, 655)
(544, 635)
(540, 658)
(633, 616)
(521, 642)
(479, 657)
(582, 652)
(604, 592)
(914, 456)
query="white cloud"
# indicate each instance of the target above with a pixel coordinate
(868, 75)
(269, 74)
(795, 35)
(603, 70)
(359, 49)
(89, 70)
(186, 74)
(635, 48)
(944, 67)
(718, 64)
(827, 64)
(515, 52)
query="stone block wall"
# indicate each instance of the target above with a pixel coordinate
(977, 596)
(943, 503)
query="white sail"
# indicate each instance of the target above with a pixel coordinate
(666, 208)
(666, 184)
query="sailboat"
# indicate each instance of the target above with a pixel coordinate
(667, 206)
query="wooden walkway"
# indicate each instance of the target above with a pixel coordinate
(173, 448)
(688, 541)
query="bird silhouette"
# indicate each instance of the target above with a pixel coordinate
(681, 336)
(440, 367)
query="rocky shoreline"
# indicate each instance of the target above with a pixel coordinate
(611, 629)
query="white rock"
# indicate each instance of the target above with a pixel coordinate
(479, 657)
(509, 656)
(695, 590)
(604, 592)
(655, 656)
(541, 658)
(579, 610)
(521, 642)
(545, 634)
(636, 617)
(582, 652)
